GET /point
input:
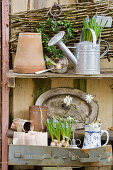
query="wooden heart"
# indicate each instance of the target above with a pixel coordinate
(54, 100)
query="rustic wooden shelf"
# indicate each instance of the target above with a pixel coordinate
(70, 74)
(106, 73)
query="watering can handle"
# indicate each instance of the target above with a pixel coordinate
(94, 36)
(107, 49)
(107, 133)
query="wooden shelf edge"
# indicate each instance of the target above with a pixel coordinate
(70, 74)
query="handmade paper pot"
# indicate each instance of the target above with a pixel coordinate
(29, 55)
(38, 117)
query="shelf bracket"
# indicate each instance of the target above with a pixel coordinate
(11, 82)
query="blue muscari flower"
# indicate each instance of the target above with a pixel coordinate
(48, 121)
(47, 59)
(87, 19)
(67, 126)
(54, 120)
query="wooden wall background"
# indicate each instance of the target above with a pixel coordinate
(22, 96)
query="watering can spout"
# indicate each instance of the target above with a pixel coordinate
(57, 39)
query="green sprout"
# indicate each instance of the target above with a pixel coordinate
(67, 129)
(91, 23)
(49, 125)
(60, 128)
(56, 131)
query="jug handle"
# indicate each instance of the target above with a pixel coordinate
(107, 133)
(107, 49)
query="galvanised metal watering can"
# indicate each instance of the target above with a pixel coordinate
(87, 54)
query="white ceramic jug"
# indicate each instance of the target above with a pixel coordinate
(92, 138)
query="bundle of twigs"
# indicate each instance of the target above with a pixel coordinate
(28, 21)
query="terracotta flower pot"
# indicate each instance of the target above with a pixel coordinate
(21, 125)
(29, 55)
(38, 117)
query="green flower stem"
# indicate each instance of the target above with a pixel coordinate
(59, 128)
(82, 119)
(56, 131)
(50, 129)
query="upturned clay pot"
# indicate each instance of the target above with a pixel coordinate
(21, 125)
(29, 55)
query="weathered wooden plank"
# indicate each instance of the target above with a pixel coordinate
(66, 2)
(103, 94)
(105, 64)
(80, 84)
(56, 168)
(28, 5)
(104, 75)
(61, 82)
(24, 168)
(99, 168)
(41, 86)
(18, 6)
(23, 98)
(25, 93)
(5, 90)
(35, 4)
(51, 2)
(39, 4)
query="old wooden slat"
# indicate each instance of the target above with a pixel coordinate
(103, 94)
(56, 168)
(22, 98)
(61, 82)
(28, 5)
(105, 64)
(66, 2)
(70, 74)
(99, 168)
(51, 2)
(25, 94)
(80, 84)
(5, 90)
(40, 86)
(38, 4)
(35, 4)
(18, 6)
